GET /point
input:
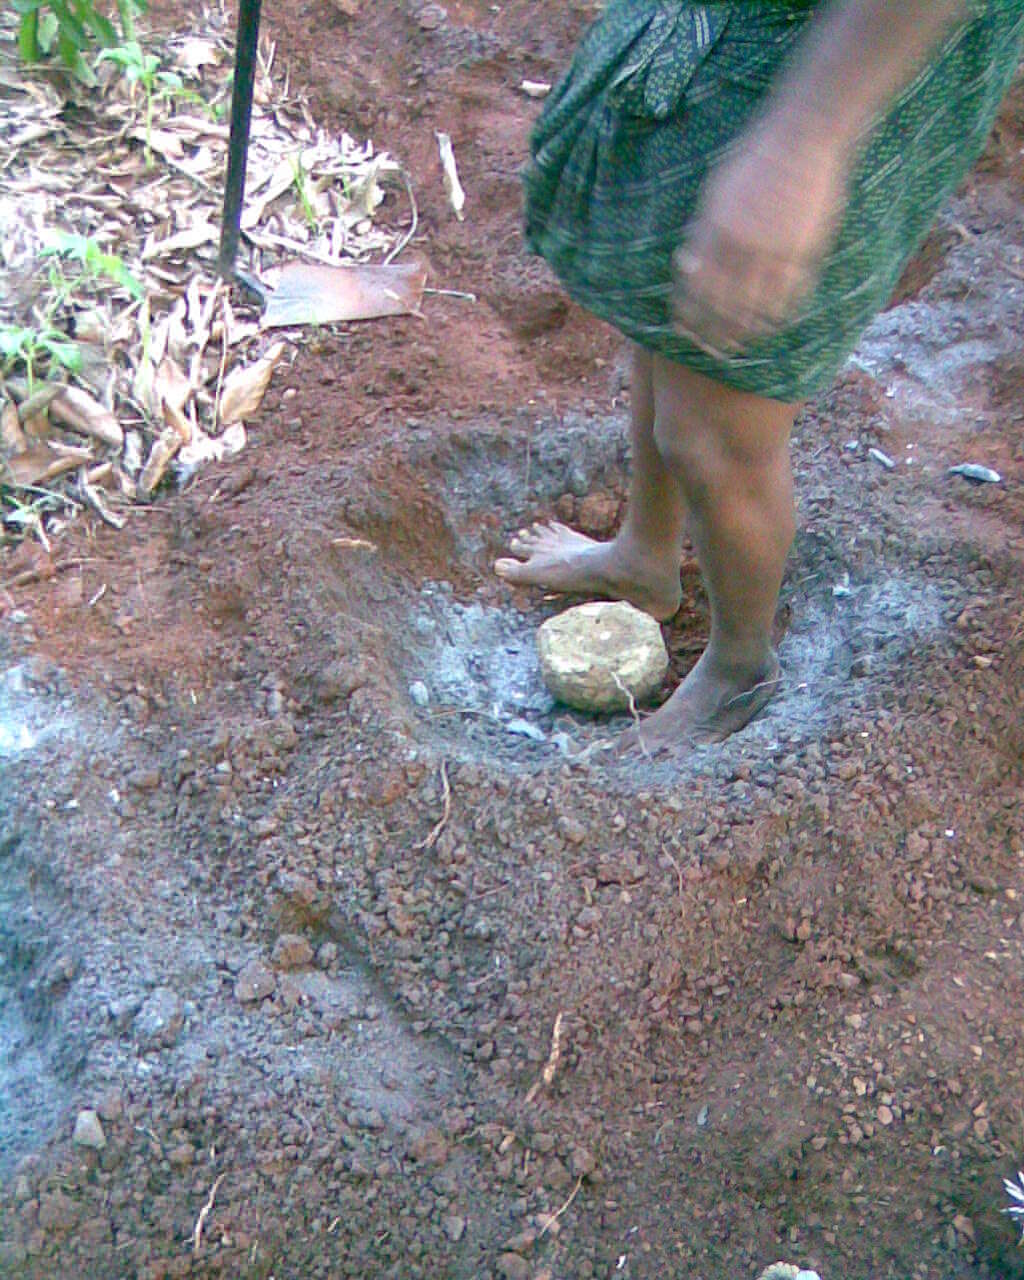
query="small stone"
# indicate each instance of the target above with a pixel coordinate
(432, 16)
(143, 779)
(419, 693)
(582, 1162)
(573, 830)
(963, 1226)
(326, 954)
(521, 1243)
(182, 1156)
(89, 1131)
(512, 1267)
(594, 656)
(428, 1147)
(255, 982)
(598, 514)
(291, 951)
(454, 1227)
(158, 1023)
(884, 1115)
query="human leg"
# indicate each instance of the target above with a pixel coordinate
(641, 564)
(728, 452)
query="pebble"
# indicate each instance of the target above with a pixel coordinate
(592, 657)
(291, 951)
(512, 1267)
(419, 693)
(428, 1147)
(143, 779)
(454, 1227)
(884, 1114)
(89, 1131)
(255, 982)
(598, 515)
(158, 1023)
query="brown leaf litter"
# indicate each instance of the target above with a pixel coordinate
(125, 361)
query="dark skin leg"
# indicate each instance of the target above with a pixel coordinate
(717, 460)
(728, 452)
(641, 565)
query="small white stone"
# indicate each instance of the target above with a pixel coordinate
(419, 693)
(89, 1131)
(593, 657)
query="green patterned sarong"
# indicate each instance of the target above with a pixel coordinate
(657, 92)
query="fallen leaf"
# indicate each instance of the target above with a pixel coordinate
(245, 388)
(452, 185)
(203, 448)
(98, 503)
(193, 237)
(195, 53)
(12, 438)
(78, 411)
(166, 445)
(42, 463)
(171, 385)
(310, 294)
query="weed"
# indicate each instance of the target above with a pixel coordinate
(69, 29)
(25, 345)
(143, 69)
(299, 181)
(96, 265)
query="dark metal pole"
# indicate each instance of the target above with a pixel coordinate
(238, 146)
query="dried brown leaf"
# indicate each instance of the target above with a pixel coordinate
(195, 53)
(96, 500)
(79, 412)
(171, 386)
(12, 438)
(36, 405)
(192, 237)
(41, 463)
(160, 457)
(245, 388)
(310, 294)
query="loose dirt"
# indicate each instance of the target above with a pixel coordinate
(301, 865)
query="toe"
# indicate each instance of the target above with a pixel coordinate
(509, 570)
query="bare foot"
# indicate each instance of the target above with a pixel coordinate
(557, 558)
(708, 706)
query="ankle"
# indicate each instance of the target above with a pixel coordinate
(741, 663)
(651, 556)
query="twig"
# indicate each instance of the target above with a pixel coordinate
(453, 293)
(747, 693)
(550, 1222)
(446, 801)
(633, 712)
(354, 544)
(554, 1058)
(204, 1213)
(413, 225)
(679, 870)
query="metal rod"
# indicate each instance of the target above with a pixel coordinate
(238, 146)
